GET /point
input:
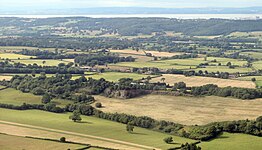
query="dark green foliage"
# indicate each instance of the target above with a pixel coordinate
(75, 116)
(129, 127)
(98, 105)
(63, 139)
(168, 140)
(46, 98)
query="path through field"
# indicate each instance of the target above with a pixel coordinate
(17, 129)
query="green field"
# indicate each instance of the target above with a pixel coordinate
(90, 126)
(15, 97)
(186, 63)
(49, 62)
(248, 78)
(224, 69)
(236, 141)
(115, 76)
(257, 65)
(22, 143)
(257, 55)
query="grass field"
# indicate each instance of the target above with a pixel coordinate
(13, 56)
(115, 76)
(48, 62)
(199, 81)
(248, 78)
(257, 65)
(15, 97)
(22, 143)
(236, 141)
(185, 110)
(224, 69)
(140, 52)
(19, 48)
(90, 126)
(187, 64)
(257, 55)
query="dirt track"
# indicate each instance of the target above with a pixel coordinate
(41, 132)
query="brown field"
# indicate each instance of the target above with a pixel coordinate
(199, 81)
(5, 77)
(141, 52)
(185, 110)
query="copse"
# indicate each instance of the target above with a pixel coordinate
(46, 98)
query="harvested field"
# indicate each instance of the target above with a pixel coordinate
(199, 81)
(185, 110)
(141, 52)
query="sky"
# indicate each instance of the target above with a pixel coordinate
(61, 4)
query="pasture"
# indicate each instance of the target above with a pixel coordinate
(248, 78)
(199, 81)
(15, 97)
(256, 55)
(233, 142)
(141, 52)
(7, 143)
(225, 69)
(42, 62)
(257, 65)
(115, 76)
(90, 126)
(185, 110)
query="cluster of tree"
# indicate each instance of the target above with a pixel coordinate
(184, 56)
(240, 93)
(51, 107)
(101, 59)
(7, 67)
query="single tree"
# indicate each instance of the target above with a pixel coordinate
(75, 116)
(98, 105)
(168, 140)
(63, 139)
(46, 98)
(129, 127)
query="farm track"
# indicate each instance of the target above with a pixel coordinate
(18, 129)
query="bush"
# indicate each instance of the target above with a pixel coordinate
(63, 139)
(98, 105)
(168, 140)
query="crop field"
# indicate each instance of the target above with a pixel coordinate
(257, 65)
(248, 78)
(140, 52)
(224, 69)
(233, 141)
(7, 143)
(115, 76)
(89, 126)
(185, 110)
(5, 77)
(199, 81)
(42, 62)
(13, 56)
(257, 55)
(15, 97)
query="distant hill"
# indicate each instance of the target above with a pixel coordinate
(133, 10)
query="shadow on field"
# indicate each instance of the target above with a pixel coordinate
(84, 122)
(138, 133)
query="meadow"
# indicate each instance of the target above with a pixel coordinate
(248, 78)
(233, 142)
(257, 55)
(15, 97)
(257, 65)
(90, 126)
(13, 56)
(185, 110)
(43, 62)
(199, 81)
(115, 76)
(7, 143)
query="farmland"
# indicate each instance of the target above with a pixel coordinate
(115, 76)
(185, 110)
(15, 97)
(199, 81)
(27, 143)
(90, 126)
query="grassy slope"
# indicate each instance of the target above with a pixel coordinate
(15, 97)
(90, 126)
(234, 142)
(7, 143)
